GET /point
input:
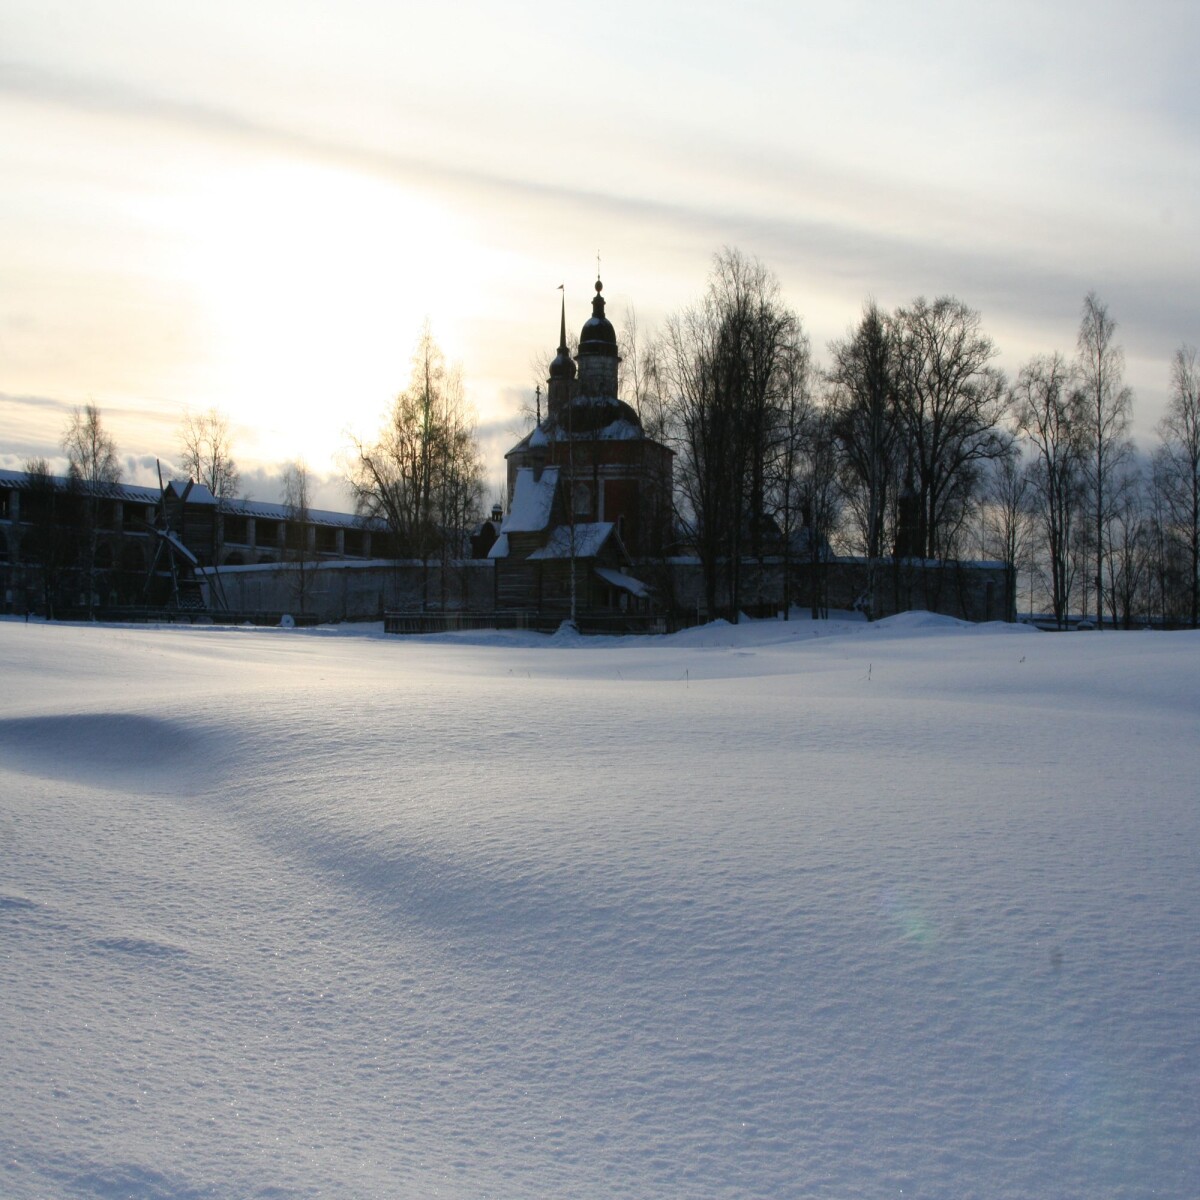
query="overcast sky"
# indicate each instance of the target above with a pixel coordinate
(254, 204)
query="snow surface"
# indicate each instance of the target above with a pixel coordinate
(775, 910)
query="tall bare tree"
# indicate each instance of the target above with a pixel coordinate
(1046, 405)
(423, 475)
(951, 401)
(1009, 519)
(205, 444)
(724, 361)
(1130, 549)
(796, 481)
(1105, 410)
(93, 466)
(865, 417)
(1178, 468)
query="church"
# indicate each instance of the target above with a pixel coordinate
(589, 493)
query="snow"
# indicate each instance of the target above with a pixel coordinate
(803, 909)
(533, 499)
(619, 579)
(589, 538)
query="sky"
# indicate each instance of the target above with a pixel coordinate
(256, 206)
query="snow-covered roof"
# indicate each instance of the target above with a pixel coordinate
(589, 537)
(627, 583)
(499, 547)
(133, 493)
(193, 493)
(533, 501)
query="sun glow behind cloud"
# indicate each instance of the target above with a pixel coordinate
(255, 207)
(313, 283)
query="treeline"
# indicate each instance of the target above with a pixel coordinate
(910, 443)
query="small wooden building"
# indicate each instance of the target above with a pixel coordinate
(549, 565)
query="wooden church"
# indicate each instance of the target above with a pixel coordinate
(589, 494)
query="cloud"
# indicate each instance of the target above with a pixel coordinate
(814, 222)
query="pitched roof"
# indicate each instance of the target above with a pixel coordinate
(589, 538)
(134, 493)
(533, 501)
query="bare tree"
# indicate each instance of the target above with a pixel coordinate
(1104, 412)
(92, 466)
(819, 496)
(862, 399)
(1008, 520)
(794, 476)
(300, 554)
(1130, 546)
(1178, 468)
(950, 402)
(1046, 407)
(205, 444)
(724, 360)
(423, 475)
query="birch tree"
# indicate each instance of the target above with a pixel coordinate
(423, 475)
(950, 401)
(1046, 407)
(1177, 472)
(205, 445)
(1105, 404)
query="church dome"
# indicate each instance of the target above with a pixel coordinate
(598, 336)
(562, 366)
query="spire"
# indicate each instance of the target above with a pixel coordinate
(562, 368)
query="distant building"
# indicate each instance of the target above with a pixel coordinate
(145, 538)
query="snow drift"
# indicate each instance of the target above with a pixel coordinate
(778, 910)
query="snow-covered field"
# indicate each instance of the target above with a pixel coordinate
(782, 910)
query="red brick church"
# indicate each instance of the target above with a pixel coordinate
(589, 494)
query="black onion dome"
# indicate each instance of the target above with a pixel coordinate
(598, 336)
(562, 366)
